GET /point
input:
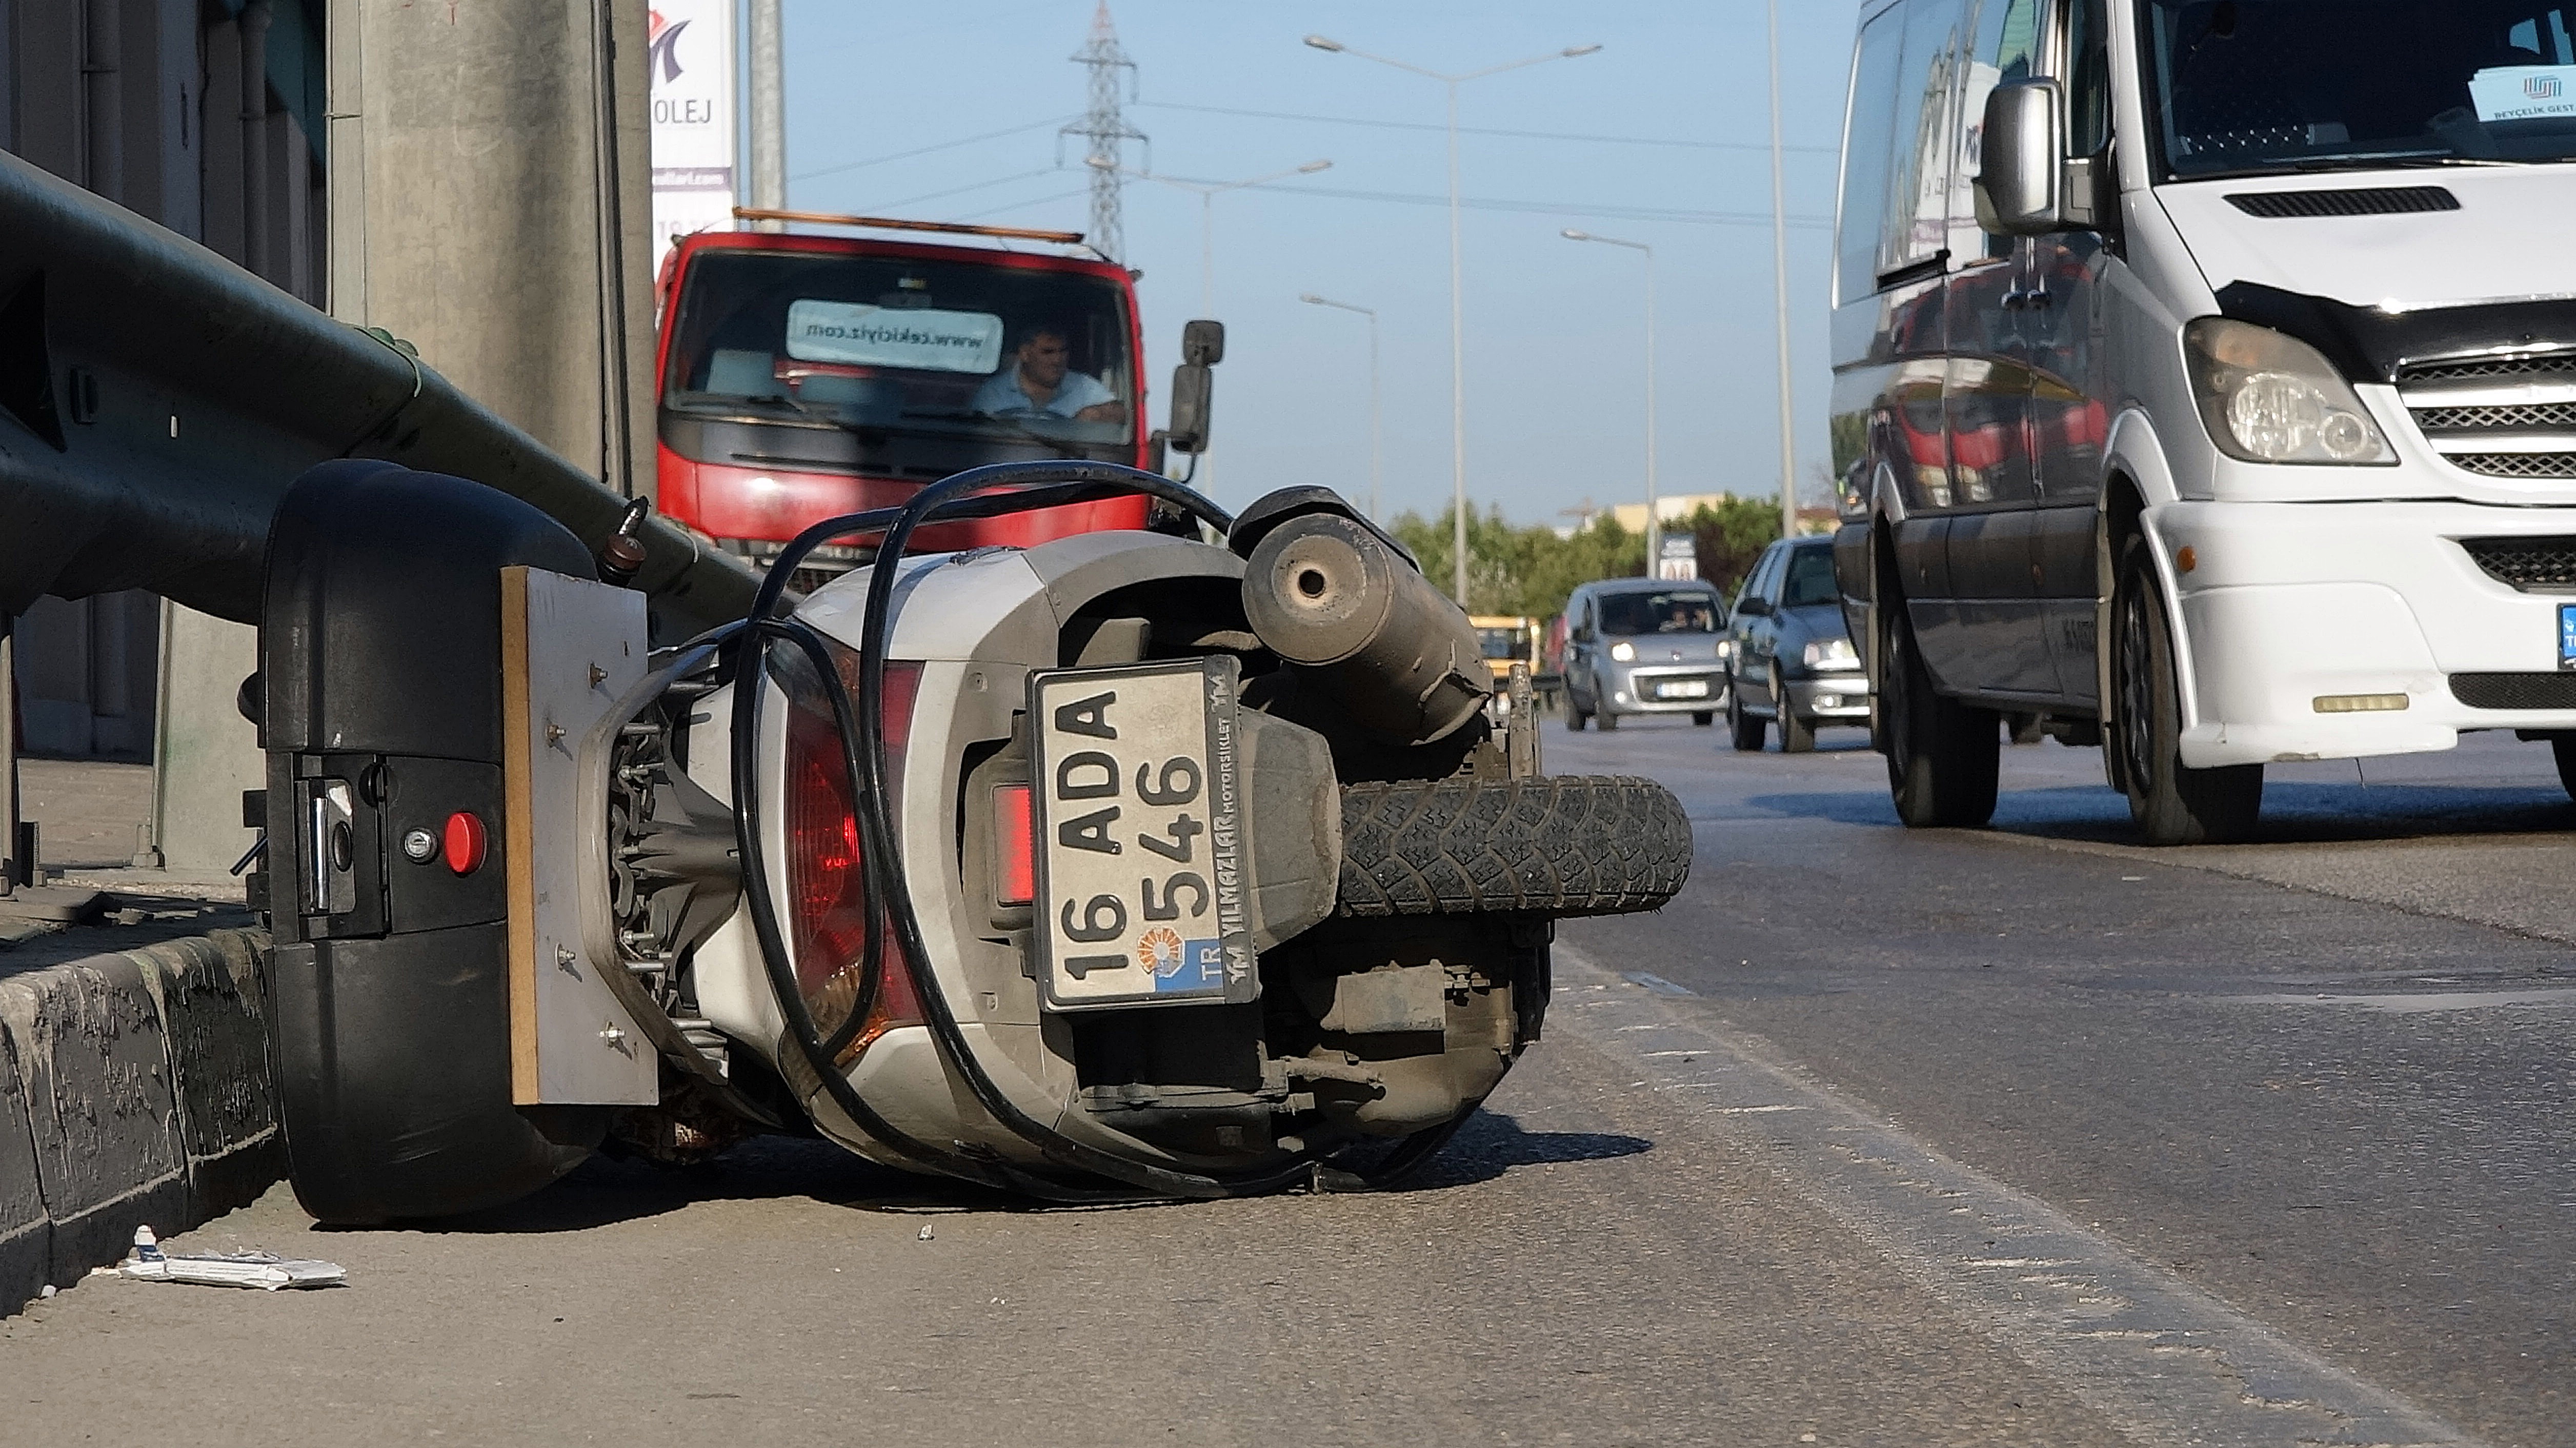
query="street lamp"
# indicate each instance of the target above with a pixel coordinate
(1377, 437)
(1457, 322)
(1201, 473)
(1780, 299)
(1654, 518)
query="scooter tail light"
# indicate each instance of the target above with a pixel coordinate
(827, 876)
(1015, 862)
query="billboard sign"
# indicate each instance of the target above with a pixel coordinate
(689, 52)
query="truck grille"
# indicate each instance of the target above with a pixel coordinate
(2534, 565)
(2504, 417)
(2515, 691)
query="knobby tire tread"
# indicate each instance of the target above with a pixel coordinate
(1557, 845)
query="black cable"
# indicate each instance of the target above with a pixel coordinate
(750, 680)
(749, 687)
(879, 835)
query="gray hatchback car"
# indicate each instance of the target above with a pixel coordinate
(1643, 646)
(1793, 662)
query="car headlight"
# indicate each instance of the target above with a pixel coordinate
(1832, 654)
(1726, 651)
(1623, 652)
(2270, 398)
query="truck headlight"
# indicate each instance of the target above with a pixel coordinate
(1832, 654)
(1623, 652)
(2270, 398)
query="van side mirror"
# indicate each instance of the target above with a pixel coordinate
(1752, 607)
(2022, 164)
(1202, 347)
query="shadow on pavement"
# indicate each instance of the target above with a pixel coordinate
(1492, 1143)
(2293, 812)
(603, 1192)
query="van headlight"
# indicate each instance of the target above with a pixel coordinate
(1623, 652)
(2270, 398)
(1832, 654)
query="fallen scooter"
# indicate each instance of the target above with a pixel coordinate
(1125, 864)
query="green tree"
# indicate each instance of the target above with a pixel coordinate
(1520, 570)
(1728, 537)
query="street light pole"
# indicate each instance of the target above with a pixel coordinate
(1207, 192)
(1377, 435)
(1780, 300)
(768, 112)
(1654, 514)
(1457, 288)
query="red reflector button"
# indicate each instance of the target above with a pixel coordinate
(467, 842)
(1015, 873)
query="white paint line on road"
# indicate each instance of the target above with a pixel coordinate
(1657, 984)
(2403, 1004)
(2168, 1362)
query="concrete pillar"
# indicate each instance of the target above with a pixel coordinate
(207, 751)
(490, 203)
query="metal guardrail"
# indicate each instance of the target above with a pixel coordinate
(157, 400)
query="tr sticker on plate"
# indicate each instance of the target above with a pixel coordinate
(1140, 860)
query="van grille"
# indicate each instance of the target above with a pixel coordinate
(2515, 691)
(2534, 565)
(2503, 417)
(2360, 201)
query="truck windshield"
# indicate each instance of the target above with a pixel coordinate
(890, 346)
(2248, 87)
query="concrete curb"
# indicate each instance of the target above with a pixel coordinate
(134, 1088)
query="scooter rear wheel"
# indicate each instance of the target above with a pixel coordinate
(1553, 845)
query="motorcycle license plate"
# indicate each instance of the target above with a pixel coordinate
(1140, 843)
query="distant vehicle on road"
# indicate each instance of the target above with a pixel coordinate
(1792, 662)
(2203, 384)
(806, 375)
(1642, 646)
(1511, 639)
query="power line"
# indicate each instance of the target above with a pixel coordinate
(926, 150)
(883, 206)
(1021, 205)
(1551, 208)
(1484, 130)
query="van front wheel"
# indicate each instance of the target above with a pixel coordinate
(2170, 803)
(1941, 754)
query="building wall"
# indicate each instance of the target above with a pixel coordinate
(143, 102)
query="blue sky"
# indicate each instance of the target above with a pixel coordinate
(1555, 343)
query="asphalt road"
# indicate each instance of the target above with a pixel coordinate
(2017, 1136)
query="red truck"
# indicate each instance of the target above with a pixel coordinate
(801, 375)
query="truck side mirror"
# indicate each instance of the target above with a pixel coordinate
(1203, 342)
(2022, 164)
(1202, 347)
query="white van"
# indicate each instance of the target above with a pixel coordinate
(2205, 382)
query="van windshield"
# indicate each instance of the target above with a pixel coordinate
(1631, 614)
(2247, 87)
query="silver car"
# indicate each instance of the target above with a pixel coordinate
(1643, 646)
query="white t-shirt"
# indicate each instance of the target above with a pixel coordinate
(1000, 396)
